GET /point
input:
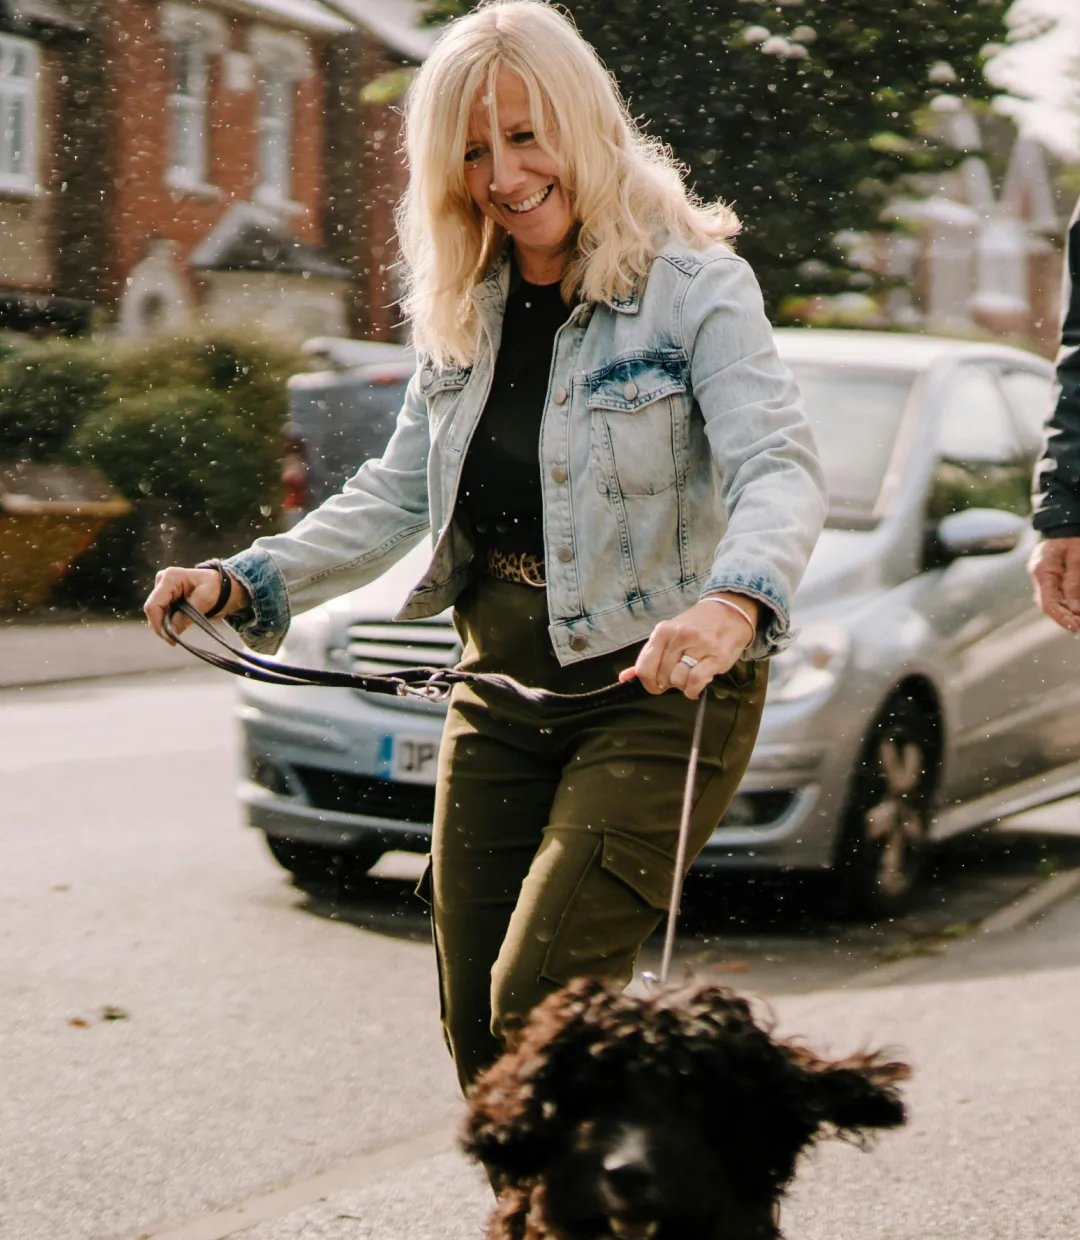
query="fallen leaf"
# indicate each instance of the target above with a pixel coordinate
(77, 1022)
(62, 887)
(109, 1012)
(731, 966)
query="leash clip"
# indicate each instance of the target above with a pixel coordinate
(432, 690)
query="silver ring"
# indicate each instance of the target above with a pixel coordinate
(689, 660)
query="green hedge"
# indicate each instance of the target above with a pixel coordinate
(197, 423)
(45, 390)
(186, 427)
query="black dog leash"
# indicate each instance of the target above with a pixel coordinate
(434, 684)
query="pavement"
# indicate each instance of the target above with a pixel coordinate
(988, 1154)
(69, 648)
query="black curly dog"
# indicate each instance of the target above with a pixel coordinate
(673, 1117)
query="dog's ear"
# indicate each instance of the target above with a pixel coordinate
(857, 1093)
(516, 1106)
(505, 1126)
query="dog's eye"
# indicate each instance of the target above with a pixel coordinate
(548, 1109)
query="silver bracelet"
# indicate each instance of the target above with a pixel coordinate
(726, 602)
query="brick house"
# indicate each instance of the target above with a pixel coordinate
(166, 162)
(37, 40)
(982, 249)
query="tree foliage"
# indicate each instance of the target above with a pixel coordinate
(802, 114)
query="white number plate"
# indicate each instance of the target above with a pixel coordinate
(408, 759)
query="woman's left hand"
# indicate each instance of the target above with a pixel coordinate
(687, 652)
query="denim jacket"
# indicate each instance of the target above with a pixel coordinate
(675, 461)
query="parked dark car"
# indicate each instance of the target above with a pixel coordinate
(340, 416)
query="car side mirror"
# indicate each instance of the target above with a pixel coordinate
(979, 531)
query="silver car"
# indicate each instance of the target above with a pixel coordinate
(926, 694)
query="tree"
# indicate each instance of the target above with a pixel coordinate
(802, 114)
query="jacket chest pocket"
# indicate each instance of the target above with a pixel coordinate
(640, 412)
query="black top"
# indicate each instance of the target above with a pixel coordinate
(1057, 514)
(500, 478)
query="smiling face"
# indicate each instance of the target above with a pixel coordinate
(515, 182)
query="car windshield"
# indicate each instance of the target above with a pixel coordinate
(855, 412)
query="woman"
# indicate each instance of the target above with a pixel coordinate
(619, 482)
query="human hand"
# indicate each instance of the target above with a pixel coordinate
(715, 637)
(200, 586)
(1054, 567)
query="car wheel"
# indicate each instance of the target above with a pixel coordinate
(313, 863)
(886, 833)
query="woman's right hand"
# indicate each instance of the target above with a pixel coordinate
(200, 586)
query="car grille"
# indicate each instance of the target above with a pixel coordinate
(360, 794)
(374, 647)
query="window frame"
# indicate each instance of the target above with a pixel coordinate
(192, 174)
(26, 90)
(1018, 459)
(1032, 437)
(279, 128)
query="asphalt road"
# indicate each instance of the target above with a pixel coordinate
(258, 1043)
(185, 1033)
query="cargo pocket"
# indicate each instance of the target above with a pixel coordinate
(618, 902)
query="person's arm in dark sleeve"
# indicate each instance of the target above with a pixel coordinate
(1057, 478)
(1055, 563)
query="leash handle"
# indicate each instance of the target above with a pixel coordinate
(433, 684)
(425, 682)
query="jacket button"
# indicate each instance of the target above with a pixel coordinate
(560, 396)
(566, 554)
(558, 473)
(578, 642)
(630, 391)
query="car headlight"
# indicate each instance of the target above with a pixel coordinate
(811, 665)
(305, 642)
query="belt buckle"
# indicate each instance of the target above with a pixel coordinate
(529, 564)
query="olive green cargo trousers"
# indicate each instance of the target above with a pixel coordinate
(555, 829)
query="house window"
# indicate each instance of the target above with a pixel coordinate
(188, 113)
(18, 113)
(276, 90)
(284, 59)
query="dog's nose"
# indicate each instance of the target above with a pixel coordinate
(628, 1178)
(629, 1174)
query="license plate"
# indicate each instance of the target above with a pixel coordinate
(408, 759)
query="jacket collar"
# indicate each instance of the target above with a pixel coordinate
(498, 280)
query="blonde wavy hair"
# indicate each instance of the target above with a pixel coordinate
(626, 188)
